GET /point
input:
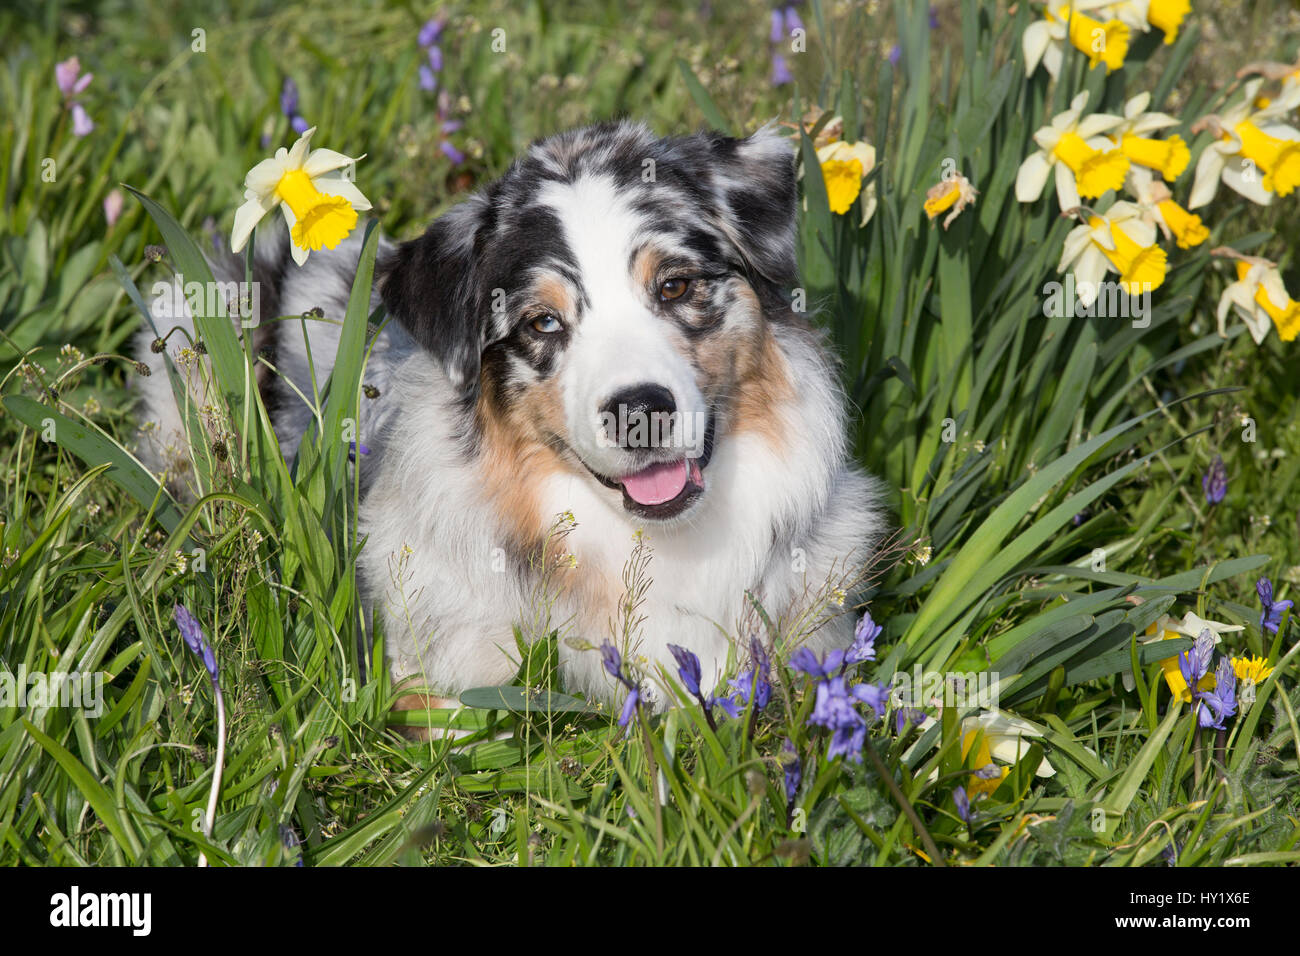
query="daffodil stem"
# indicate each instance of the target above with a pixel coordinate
(908, 810)
(211, 817)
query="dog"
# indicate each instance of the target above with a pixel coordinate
(595, 354)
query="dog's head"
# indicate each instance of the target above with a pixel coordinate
(608, 297)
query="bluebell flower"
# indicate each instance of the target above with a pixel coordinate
(792, 21)
(793, 769)
(934, 17)
(848, 740)
(863, 647)
(781, 74)
(688, 668)
(1214, 705)
(430, 32)
(777, 34)
(451, 152)
(299, 125)
(907, 716)
(806, 662)
(875, 696)
(428, 82)
(354, 448)
(1215, 481)
(629, 706)
(895, 55)
(1194, 664)
(613, 661)
(962, 800)
(435, 59)
(192, 634)
(289, 97)
(1270, 619)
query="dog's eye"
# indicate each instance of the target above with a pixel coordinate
(673, 289)
(546, 324)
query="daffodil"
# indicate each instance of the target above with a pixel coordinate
(1158, 208)
(1001, 737)
(1260, 299)
(1167, 628)
(844, 167)
(1251, 671)
(1169, 156)
(1253, 152)
(1104, 41)
(1168, 16)
(321, 209)
(951, 196)
(1085, 162)
(1118, 240)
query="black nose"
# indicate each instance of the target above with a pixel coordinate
(649, 405)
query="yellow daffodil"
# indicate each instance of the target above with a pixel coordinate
(951, 196)
(1253, 153)
(1103, 40)
(320, 208)
(979, 784)
(1169, 156)
(1085, 162)
(1168, 16)
(844, 166)
(1158, 207)
(1260, 299)
(1118, 240)
(1251, 671)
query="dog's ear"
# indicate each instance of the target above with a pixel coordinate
(431, 286)
(757, 190)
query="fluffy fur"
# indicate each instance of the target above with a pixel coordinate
(520, 316)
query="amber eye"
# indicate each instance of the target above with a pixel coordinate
(674, 289)
(546, 325)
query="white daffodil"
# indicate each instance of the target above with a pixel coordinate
(321, 209)
(1117, 240)
(1085, 162)
(1006, 738)
(1169, 156)
(1260, 298)
(1103, 40)
(1253, 153)
(1167, 628)
(1157, 207)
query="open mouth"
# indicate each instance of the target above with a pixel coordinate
(663, 489)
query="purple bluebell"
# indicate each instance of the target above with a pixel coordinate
(756, 679)
(1194, 663)
(875, 696)
(354, 448)
(1214, 705)
(428, 82)
(435, 59)
(1215, 481)
(688, 668)
(629, 706)
(781, 74)
(806, 662)
(905, 717)
(960, 797)
(934, 17)
(792, 21)
(777, 34)
(1270, 618)
(299, 125)
(192, 635)
(82, 124)
(451, 152)
(895, 55)
(848, 740)
(289, 97)
(793, 769)
(430, 32)
(863, 647)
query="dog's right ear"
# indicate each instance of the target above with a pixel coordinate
(430, 285)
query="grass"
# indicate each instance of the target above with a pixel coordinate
(1047, 469)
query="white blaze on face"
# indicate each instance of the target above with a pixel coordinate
(619, 342)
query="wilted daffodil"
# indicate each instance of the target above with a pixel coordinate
(1104, 41)
(1168, 156)
(951, 196)
(844, 167)
(1118, 240)
(1260, 298)
(1254, 152)
(321, 209)
(1085, 162)
(1158, 208)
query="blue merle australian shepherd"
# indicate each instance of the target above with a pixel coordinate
(600, 343)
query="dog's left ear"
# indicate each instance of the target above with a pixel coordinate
(757, 188)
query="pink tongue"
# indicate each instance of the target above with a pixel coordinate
(656, 484)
